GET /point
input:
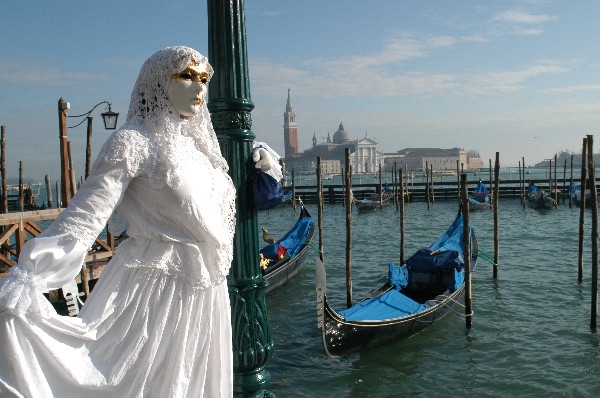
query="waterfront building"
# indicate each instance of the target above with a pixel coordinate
(439, 159)
(365, 158)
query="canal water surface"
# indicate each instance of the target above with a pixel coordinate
(531, 332)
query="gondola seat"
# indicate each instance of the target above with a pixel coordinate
(389, 305)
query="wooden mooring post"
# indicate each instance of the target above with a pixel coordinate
(294, 189)
(320, 208)
(397, 185)
(401, 211)
(555, 180)
(394, 187)
(458, 181)
(524, 188)
(345, 187)
(380, 187)
(48, 190)
(594, 208)
(496, 221)
(21, 202)
(71, 171)
(349, 228)
(58, 193)
(427, 183)
(550, 188)
(4, 204)
(491, 180)
(571, 185)
(564, 180)
(582, 212)
(520, 184)
(65, 196)
(467, 250)
(432, 192)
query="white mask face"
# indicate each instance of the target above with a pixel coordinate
(187, 90)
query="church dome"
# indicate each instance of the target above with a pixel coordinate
(341, 136)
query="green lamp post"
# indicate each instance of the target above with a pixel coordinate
(230, 105)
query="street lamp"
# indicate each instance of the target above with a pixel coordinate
(109, 117)
(110, 123)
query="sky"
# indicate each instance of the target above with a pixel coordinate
(521, 78)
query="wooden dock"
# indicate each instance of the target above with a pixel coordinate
(417, 191)
(18, 227)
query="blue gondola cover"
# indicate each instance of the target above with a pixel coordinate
(292, 241)
(392, 304)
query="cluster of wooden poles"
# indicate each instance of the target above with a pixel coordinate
(587, 181)
(588, 178)
(70, 177)
(463, 207)
(553, 185)
(587, 156)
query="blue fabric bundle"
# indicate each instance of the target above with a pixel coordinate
(267, 191)
(398, 277)
(424, 260)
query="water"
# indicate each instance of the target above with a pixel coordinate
(531, 332)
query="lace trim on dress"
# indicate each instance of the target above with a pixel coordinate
(200, 264)
(126, 147)
(21, 292)
(122, 157)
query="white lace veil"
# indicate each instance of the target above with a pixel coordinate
(151, 113)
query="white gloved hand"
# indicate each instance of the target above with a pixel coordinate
(262, 158)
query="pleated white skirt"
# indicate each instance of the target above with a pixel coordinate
(141, 333)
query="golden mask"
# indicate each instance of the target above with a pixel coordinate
(194, 72)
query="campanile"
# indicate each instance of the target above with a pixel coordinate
(290, 129)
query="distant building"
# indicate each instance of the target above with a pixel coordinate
(364, 156)
(563, 158)
(438, 159)
(290, 129)
(363, 152)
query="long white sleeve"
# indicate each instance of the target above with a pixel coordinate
(45, 263)
(56, 256)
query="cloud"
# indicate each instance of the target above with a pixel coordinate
(507, 81)
(14, 72)
(385, 74)
(356, 78)
(528, 32)
(378, 75)
(523, 22)
(519, 16)
(573, 89)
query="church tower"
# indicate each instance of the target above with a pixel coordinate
(290, 129)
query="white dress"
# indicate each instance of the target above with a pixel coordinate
(157, 323)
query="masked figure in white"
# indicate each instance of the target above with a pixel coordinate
(157, 323)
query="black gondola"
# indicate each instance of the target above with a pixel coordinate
(539, 198)
(479, 199)
(430, 288)
(286, 256)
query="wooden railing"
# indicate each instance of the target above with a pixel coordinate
(24, 224)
